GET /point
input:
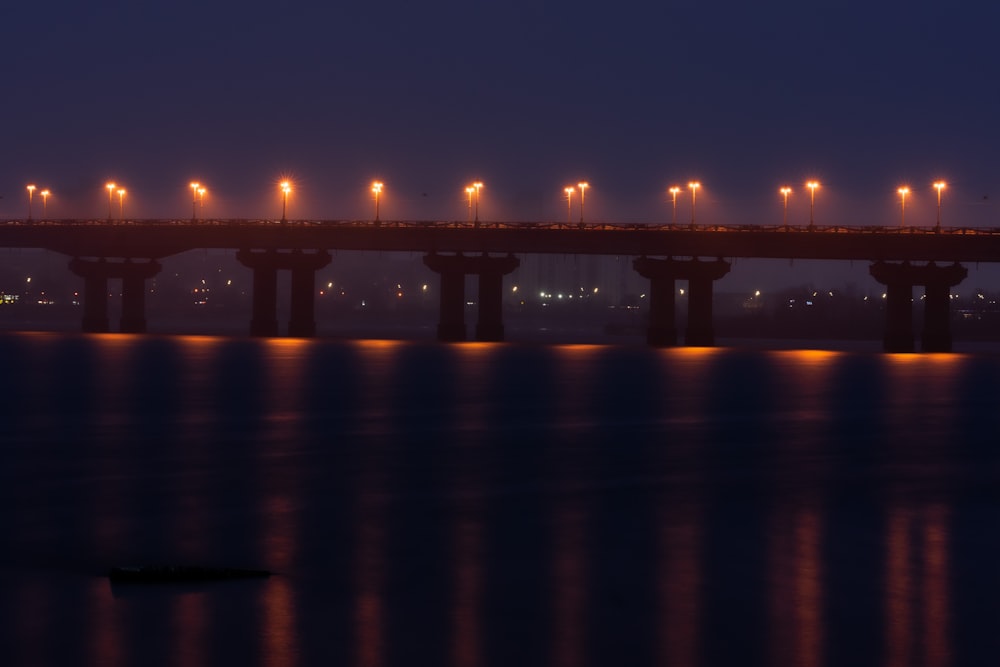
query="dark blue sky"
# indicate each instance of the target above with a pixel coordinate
(527, 96)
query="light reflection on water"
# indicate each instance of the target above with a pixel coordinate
(481, 504)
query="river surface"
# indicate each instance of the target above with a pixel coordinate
(496, 504)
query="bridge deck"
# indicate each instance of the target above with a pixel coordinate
(161, 238)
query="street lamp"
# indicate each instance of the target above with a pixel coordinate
(569, 204)
(376, 190)
(201, 201)
(583, 189)
(812, 185)
(785, 191)
(194, 200)
(939, 186)
(121, 204)
(469, 192)
(478, 185)
(694, 185)
(31, 191)
(111, 193)
(286, 187)
(903, 191)
(674, 191)
(45, 201)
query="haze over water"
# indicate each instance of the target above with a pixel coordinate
(496, 504)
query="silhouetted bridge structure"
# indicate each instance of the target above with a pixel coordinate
(900, 257)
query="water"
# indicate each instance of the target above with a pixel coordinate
(490, 504)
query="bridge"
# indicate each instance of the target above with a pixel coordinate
(900, 257)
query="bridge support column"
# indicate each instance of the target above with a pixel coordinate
(95, 274)
(489, 326)
(134, 277)
(265, 265)
(662, 274)
(899, 280)
(264, 314)
(302, 320)
(490, 272)
(662, 331)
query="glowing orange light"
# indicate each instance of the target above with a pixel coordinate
(812, 185)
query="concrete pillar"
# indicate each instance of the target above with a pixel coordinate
(133, 305)
(489, 326)
(936, 335)
(302, 319)
(95, 304)
(700, 331)
(898, 335)
(453, 269)
(95, 274)
(662, 331)
(451, 322)
(899, 280)
(662, 274)
(264, 316)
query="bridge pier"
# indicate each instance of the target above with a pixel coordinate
(265, 265)
(662, 274)
(490, 272)
(95, 274)
(899, 280)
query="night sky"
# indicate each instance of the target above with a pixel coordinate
(526, 96)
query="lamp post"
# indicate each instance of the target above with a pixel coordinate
(939, 186)
(583, 190)
(469, 192)
(478, 185)
(903, 191)
(111, 193)
(569, 204)
(785, 191)
(376, 190)
(812, 185)
(201, 201)
(194, 200)
(674, 191)
(694, 185)
(45, 202)
(31, 191)
(286, 187)
(121, 204)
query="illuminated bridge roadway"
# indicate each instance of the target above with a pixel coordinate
(900, 258)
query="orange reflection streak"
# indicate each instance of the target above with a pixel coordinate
(679, 586)
(808, 589)
(106, 646)
(189, 621)
(898, 593)
(281, 526)
(468, 593)
(368, 612)
(936, 631)
(467, 541)
(279, 622)
(377, 358)
(569, 587)
(779, 602)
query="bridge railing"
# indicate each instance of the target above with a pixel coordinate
(497, 225)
